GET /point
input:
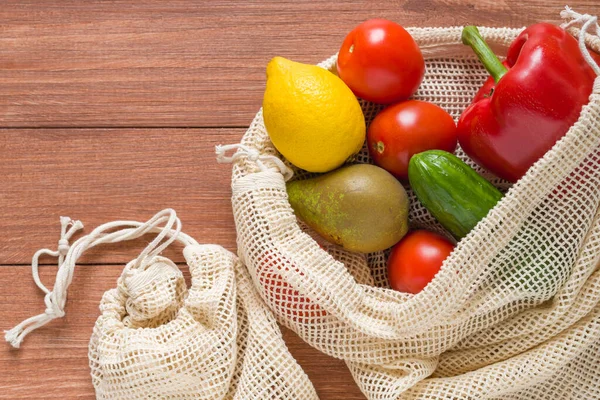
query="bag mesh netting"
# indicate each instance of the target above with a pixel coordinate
(514, 312)
(157, 339)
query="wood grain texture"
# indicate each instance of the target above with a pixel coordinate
(124, 64)
(190, 63)
(52, 362)
(101, 175)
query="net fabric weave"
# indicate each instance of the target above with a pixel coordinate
(155, 339)
(515, 311)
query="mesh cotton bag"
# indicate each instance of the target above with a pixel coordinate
(514, 312)
(157, 339)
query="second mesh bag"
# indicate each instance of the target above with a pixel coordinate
(157, 339)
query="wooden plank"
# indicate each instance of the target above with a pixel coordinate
(100, 175)
(127, 63)
(53, 363)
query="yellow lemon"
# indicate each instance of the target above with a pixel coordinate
(312, 117)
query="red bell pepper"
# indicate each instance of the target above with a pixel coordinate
(523, 110)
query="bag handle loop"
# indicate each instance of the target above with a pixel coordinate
(56, 299)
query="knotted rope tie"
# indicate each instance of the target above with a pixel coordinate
(590, 25)
(252, 155)
(56, 299)
(54, 308)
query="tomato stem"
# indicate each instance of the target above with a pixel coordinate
(471, 37)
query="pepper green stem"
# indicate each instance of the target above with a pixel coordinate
(472, 37)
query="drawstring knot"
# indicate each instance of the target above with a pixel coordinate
(252, 155)
(63, 247)
(53, 310)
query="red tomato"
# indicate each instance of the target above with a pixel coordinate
(416, 259)
(381, 62)
(408, 128)
(282, 297)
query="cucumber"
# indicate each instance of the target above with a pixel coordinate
(451, 190)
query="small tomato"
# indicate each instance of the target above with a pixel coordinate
(405, 129)
(416, 259)
(381, 62)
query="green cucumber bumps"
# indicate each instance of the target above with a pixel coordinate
(451, 190)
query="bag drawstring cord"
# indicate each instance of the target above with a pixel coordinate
(55, 300)
(590, 23)
(252, 155)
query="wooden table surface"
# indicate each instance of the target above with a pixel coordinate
(111, 110)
